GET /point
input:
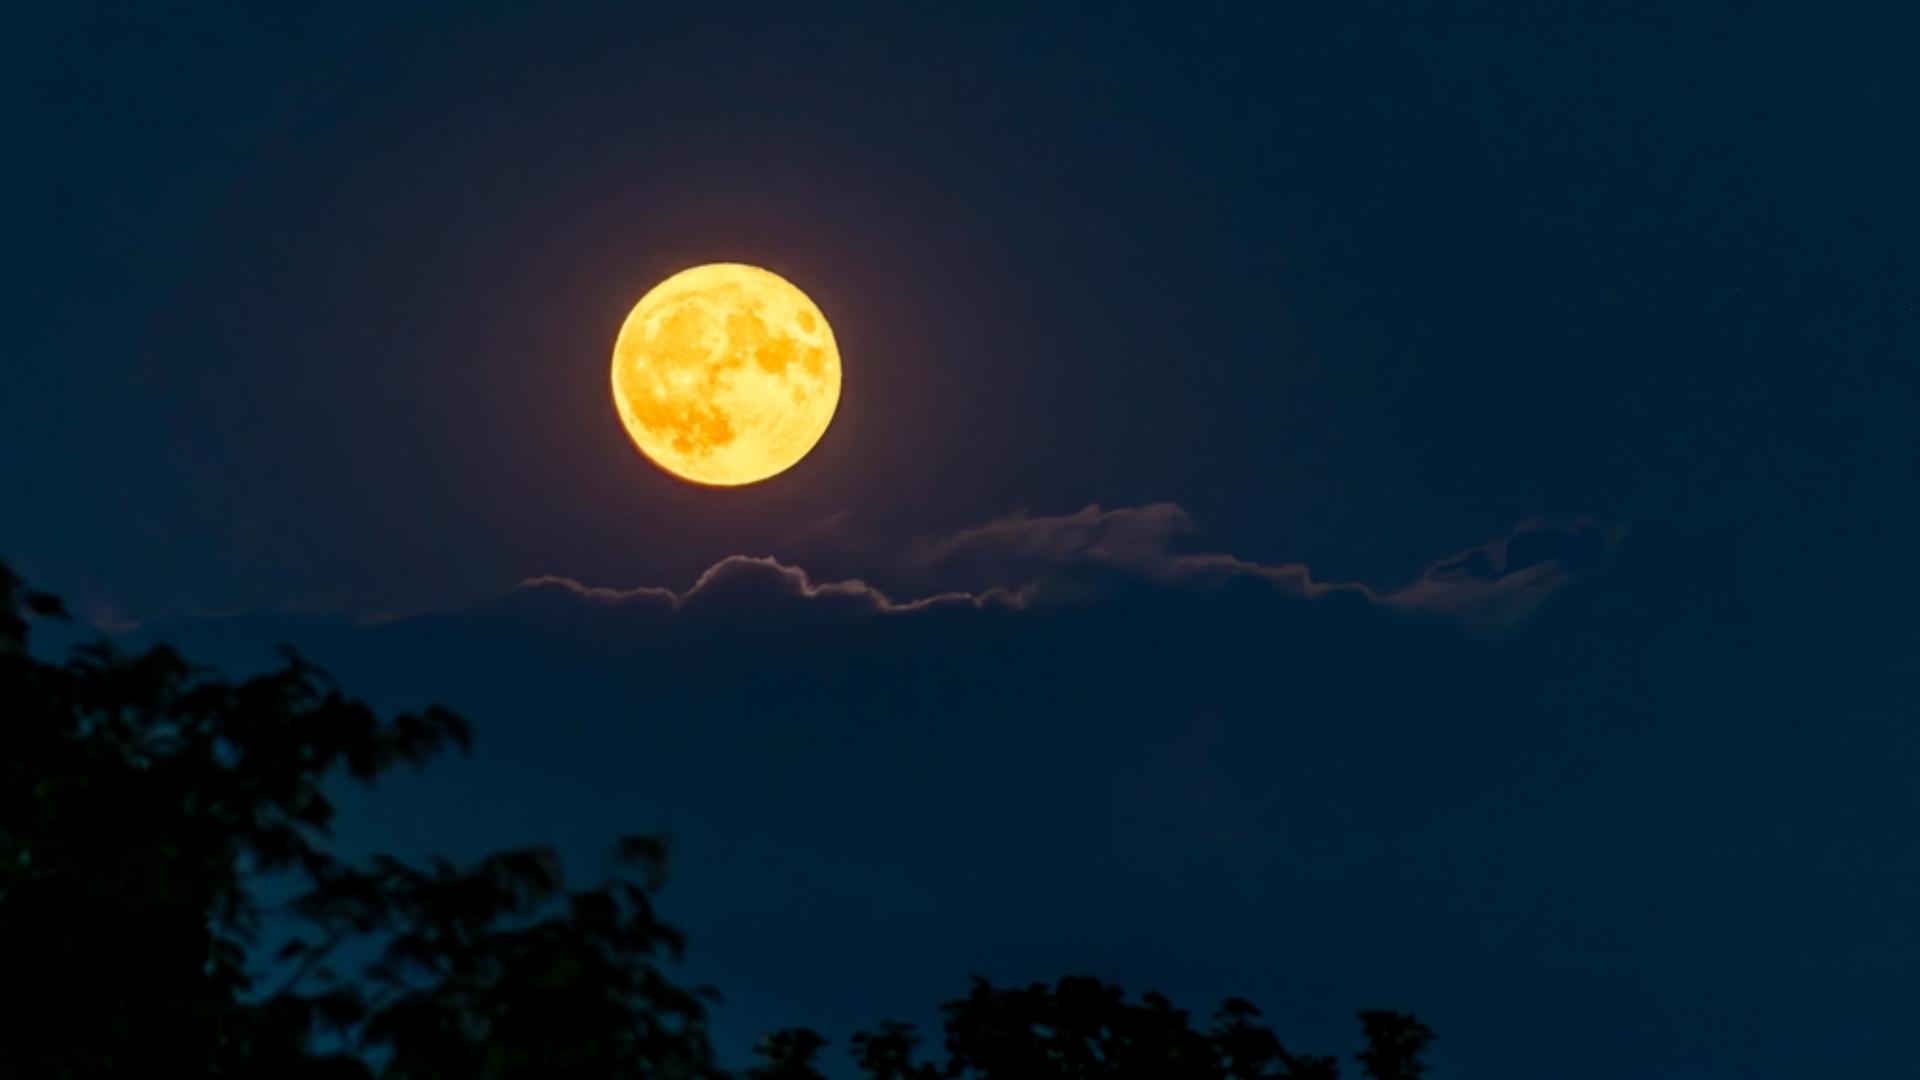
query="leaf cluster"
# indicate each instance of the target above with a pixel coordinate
(146, 803)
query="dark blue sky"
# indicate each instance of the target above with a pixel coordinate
(309, 313)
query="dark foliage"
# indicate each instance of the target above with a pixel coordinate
(146, 804)
(1086, 1029)
(793, 1054)
(1395, 1042)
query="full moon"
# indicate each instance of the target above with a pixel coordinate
(725, 374)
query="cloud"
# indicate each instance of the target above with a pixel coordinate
(1497, 584)
(1142, 542)
(1095, 554)
(739, 580)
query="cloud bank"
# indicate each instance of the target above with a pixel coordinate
(1024, 561)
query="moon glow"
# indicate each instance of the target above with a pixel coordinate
(725, 374)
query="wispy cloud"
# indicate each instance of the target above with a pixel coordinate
(1024, 560)
(754, 576)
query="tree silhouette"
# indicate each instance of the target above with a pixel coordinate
(1086, 1029)
(1395, 1043)
(793, 1054)
(887, 1053)
(147, 803)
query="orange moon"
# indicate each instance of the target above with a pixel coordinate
(725, 374)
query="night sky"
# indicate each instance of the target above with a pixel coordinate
(1362, 505)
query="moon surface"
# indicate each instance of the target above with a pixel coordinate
(725, 374)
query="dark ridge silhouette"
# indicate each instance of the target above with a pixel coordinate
(145, 801)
